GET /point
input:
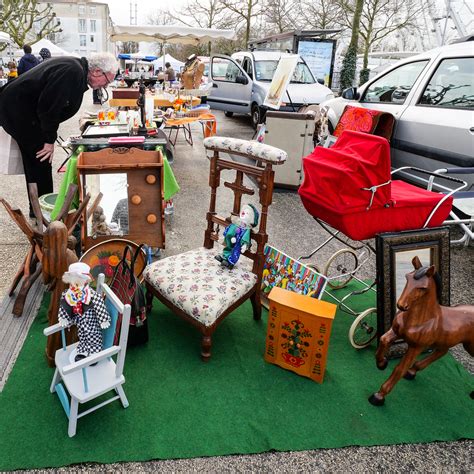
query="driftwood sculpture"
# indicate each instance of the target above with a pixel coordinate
(50, 253)
(423, 324)
(30, 269)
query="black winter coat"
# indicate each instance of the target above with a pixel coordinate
(27, 62)
(33, 105)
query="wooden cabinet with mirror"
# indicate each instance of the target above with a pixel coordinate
(130, 181)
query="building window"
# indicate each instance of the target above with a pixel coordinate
(82, 25)
(92, 39)
(82, 40)
(93, 26)
(82, 9)
(92, 10)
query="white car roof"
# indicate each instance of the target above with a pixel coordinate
(457, 49)
(262, 55)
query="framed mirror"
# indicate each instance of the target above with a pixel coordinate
(395, 252)
(111, 216)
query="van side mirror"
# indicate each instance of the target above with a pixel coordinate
(241, 80)
(320, 81)
(350, 94)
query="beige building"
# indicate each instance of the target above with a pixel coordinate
(84, 26)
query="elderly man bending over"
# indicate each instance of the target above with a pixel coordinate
(33, 106)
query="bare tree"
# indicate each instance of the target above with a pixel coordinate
(205, 14)
(381, 18)
(160, 17)
(129, 47)
(321, 14)
(27, 20)
(281, 15)
(245, 11)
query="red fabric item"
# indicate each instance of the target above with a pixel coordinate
(331, 190)
(360, 119)
(336, 175)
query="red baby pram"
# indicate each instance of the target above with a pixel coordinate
(350, 188)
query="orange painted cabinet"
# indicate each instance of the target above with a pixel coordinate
(298, 332)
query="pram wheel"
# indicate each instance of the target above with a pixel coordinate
(340, 265)
(364, 329)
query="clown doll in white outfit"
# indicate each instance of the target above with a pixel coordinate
(82, 306)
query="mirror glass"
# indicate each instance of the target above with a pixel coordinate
(403, 265)
(349, 94)
(111, 215)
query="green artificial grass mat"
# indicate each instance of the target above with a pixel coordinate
(237, 403)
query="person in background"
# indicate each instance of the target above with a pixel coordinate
(170, 72)
(28, 61)
(12, 71)
(33, 106)
(45, 54)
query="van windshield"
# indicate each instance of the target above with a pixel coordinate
(264, 71)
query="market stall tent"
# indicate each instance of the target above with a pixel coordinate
(55, 51)
(137, 57)
(171, 34)
(167, 58)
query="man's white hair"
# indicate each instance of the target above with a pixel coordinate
(106, 62)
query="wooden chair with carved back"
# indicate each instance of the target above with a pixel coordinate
(193, 284)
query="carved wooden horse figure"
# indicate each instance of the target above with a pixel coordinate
(423, 324)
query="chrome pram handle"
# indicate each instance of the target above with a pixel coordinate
(435, 174)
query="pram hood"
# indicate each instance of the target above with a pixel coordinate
(336, 176)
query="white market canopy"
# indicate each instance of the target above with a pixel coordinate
(175, 63)
(172, 34)
(55, 51)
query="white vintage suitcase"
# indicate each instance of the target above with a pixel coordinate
(293, 133)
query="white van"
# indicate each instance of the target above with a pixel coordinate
(240, 84)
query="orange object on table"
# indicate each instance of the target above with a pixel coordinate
(208, 120)
(298, 333)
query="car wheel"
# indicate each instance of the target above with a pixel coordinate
(256, 114)
(229, 114)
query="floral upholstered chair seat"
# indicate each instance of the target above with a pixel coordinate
(250, 148)
(196, 283)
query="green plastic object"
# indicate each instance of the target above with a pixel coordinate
(70, 176)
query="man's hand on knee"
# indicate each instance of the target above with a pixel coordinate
(46, 153)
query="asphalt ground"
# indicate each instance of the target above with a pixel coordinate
(292, 230)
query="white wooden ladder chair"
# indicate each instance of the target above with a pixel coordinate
(83, 381)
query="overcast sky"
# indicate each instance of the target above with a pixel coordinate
(120, 9)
